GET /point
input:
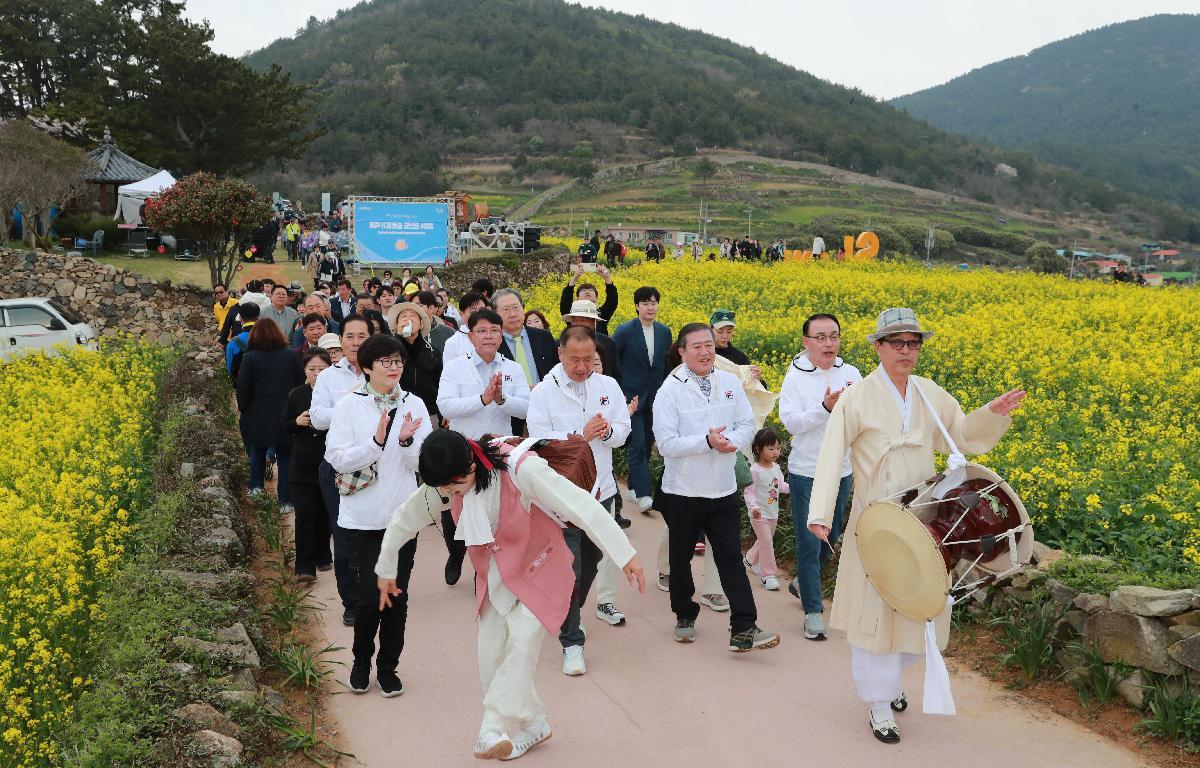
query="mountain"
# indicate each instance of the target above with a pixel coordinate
(404, 88)
(1120, 103)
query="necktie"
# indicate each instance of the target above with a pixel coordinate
(519, 352)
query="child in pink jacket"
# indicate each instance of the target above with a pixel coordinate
(762, 501)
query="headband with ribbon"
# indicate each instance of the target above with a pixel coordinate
(477, 449)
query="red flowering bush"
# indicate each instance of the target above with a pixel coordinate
(215, 213)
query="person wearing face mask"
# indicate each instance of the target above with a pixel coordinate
(411, 324)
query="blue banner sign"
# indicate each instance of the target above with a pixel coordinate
(401, 233)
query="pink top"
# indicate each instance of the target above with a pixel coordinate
(764, 492)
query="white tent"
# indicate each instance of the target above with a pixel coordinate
(131, 196)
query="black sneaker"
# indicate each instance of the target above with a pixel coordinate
(453, 572)
(325, 567)
(623, 521)
(752, 639)
(389, 684)
(348, 617)
(360, 676)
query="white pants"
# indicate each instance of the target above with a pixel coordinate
(878, 676)
(508, 655)
(712, 580)
(608, 576)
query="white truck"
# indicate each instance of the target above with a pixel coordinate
(33, 324)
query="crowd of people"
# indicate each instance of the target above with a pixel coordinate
(383, 406)
(746, 248)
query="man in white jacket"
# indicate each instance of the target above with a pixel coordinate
(811, 388)
(481, 391)
(460, 343)
(701, 419)
(573, 402)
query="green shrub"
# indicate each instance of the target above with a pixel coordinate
(1027, 630)
(1174, 712)
(83, 225)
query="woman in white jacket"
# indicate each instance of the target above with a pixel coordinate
(373, 444)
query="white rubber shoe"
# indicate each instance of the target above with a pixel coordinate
(492, 745)
(529, 737)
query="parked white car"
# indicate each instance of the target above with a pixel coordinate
(41, 324)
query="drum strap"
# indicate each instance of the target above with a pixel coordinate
(955, 463)
(936, 698)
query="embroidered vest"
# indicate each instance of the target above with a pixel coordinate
(530, 553)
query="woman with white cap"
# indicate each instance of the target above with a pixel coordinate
(891, 423)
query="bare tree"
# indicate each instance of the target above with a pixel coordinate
(37, 173)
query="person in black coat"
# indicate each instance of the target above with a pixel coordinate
(311, 525)
(571, 292)
(413, 326)
(612, 251)
(269, 372)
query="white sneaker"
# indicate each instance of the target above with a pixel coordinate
(529, 737)
(771, 583)
(716, 601)
(573, 665)
(645, 503)
(608, 613)
(664, 582)
(491, 745)
(755, 569)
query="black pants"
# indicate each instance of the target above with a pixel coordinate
(587, 562)
(720, 521)
(311, 527)
(457, 549)
(368, 619)
(347, 589)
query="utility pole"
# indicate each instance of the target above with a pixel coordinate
(571, 226)
(928, 245)
(700, 221)
(1071, 271)
(749, 214)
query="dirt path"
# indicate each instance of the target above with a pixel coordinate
(647, 701)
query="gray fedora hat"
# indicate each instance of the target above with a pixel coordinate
(897, 320)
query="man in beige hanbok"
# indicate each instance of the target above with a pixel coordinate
(887, 423)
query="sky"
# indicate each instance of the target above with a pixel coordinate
(886, 48)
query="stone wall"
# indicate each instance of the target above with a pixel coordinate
(113, 300)
(1151, 630)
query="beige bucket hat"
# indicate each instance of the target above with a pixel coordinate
(897, 320)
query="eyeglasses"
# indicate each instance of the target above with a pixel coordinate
(899, 344)
(391, 362)
(487, 331)
(824, 337)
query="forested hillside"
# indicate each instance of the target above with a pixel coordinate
(402, 85)
(1120, 103)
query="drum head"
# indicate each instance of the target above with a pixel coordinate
(902, 560)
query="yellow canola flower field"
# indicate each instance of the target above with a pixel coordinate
(78, 436)
(1105, 453)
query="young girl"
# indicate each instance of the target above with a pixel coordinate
(762, 500)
